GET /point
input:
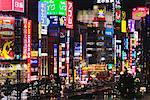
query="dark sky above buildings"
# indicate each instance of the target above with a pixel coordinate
(86, 4)
(128, 5)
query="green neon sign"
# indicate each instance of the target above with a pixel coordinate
(56, 7)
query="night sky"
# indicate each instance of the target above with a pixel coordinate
(128, 5)
(86, 4)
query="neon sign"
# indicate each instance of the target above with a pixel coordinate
(7, 37)
(56, 7)
(123, 22)
(12, 5)
(42, 13)
(105, 1)
(25, 38)
(29, 25)
(118, 11)
(139, 12)
(69, 18)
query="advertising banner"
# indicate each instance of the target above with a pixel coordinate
(62, 20)
(77, 51)
(12, 5)
(29, 28)
(109, 31)
(25, 22)
(117, 11)
(34, 67)
(42, 13)
(131, 25)
(139, 12)
(123, 26)
(7, 38)
(18, 5)
(5, 5)
(53, 21)
(105, 1)
(56, 7)
(123, 22)
(69, 18)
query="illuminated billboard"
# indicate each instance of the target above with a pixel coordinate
(18, 5)
(53, 21)
(123, 26)
(117, 11)
(6, 5)
(123, 22)
(69, 18)
(62, 20)
(105, 1)
(42, 13)
(12, 5)
(131, 25)
(25, 21)
(55, 7)
(139, 12)
(7, 37)
(29, 28)
(109, 31)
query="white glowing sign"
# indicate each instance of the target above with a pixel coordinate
(105, 1)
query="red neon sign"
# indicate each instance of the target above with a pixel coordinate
(29, 25)
(69, 18)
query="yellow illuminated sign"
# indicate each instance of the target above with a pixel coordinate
(123, 26)
(34, 53)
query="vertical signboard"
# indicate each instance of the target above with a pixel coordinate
(123, 22)
(42, 13)
(131, 25)
(69, 18)
(55, 58)
(117, 11)
(25, 22)
(68, 53)
(29, 26)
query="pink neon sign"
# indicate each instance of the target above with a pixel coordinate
(138, 13)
